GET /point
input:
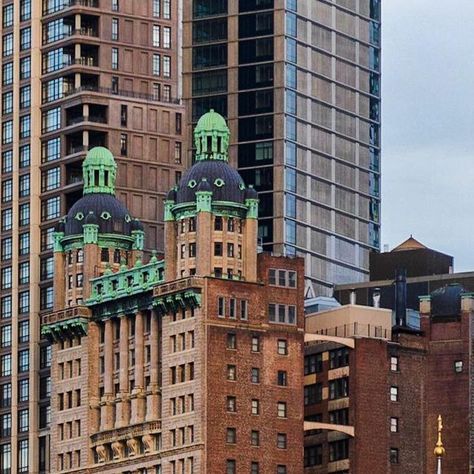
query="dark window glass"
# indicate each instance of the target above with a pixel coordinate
(251, 5)
(339, 417)
(209, 82)
(313, 393)
(204, 104)
(256, 102)
(255, 154)
(253, 77)
(338, 358)
(255, 128)
(338, 388)
(202, 8)
(313, 455)
(210, 56)
(260, 178)
(258, 24)
(257, 50)
(313, 364)
(265, 207)
(210, 30)
(338, 450)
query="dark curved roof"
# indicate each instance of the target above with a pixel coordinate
(446, 301)
(214, 171)
(107, 211)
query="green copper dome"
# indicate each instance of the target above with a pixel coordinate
(99, 170)
(211, 137)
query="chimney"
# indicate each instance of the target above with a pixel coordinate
(376, 298)
(401, 298)
(353, 296)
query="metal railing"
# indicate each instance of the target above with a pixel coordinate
(356, 329)
(122, 93)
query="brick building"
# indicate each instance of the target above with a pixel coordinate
(373, 393)
(190, 364)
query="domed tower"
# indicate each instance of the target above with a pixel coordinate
(211, 216)
(97, 233)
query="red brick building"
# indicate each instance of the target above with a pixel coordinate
(192, 364)
(373, 395)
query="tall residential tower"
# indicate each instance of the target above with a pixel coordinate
(299, 83)
(75, 74)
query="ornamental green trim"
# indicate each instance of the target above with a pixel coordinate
(62, 330)
(169, 211)
(99, 171)
(211, 137)
(125, 283)
(91, 233)
(139, 242)
(203, 201)
(57, 241)
(252, 205)
(176, 301)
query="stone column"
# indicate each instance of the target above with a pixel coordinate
(152, 404)
(123, 405)
(106, 413)
(138, 394)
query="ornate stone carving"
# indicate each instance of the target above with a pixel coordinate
(101, 453)
(132, 445)
(148, 443)
(117, 450)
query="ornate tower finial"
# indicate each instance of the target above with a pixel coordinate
(99, 170)
(211, 137)
(439, 450)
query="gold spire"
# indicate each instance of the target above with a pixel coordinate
(439, 451)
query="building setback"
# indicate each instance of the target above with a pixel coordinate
(75, 75)
(373, 394)
(189, 364)
(299, 83)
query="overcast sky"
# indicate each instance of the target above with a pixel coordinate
(428, 125)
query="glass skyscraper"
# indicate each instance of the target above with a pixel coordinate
(299, 83)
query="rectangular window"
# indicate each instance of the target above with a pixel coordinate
(156, 65)
(231, 340)
(231, 436)
(231, 372)
(7, 45)
(25, 126)
(23, 456)
(313, 394)
(282, 378)
(255, 375)
(5, 394)
(231, 467)
(25, 97)
(338, 450)
(7, 132)
(7, 248)
(394, 363)
(281, 410)
(156, 8)
(51, 120)
(255, 407)
(281, 441)
(338, 358)
(7, 74)
(51, 208)
(6, 365)
(394, 394)
(6, 336)
(394, 424)
(166, 37)
(24, 185)
(25, 68)
(23, 421)
(24, 302)
(231, 404)
(167, 66)
(51, 150)
(23, 331)
(339, 388)
(6, 278)
(156, 40)
(24, 360)
(232, 308)
(24, 217)
(7, 161)
(7, 219)
(282, 347)
(221, 306)
(255, 438)
(313, 364)
(25, 39)
(7, 190)
(115, 58)
(167, 9)
(393, 455)
(115, 31)
(8, 16)
(7, 103)
(313, 455)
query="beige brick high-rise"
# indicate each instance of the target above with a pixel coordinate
(191, 364)
(75, 74)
